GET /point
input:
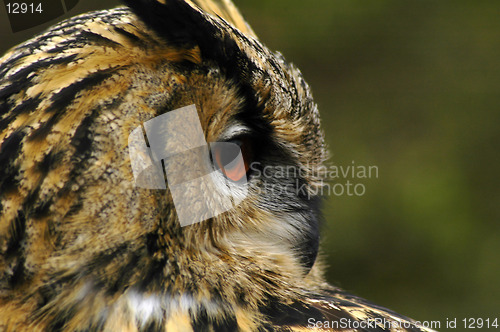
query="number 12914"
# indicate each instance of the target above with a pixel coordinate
(24, 8)
(479, 323)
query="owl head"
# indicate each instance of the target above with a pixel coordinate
(84, 237)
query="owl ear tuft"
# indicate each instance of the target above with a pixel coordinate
(182, 24)
(226, 10)
(176, 21)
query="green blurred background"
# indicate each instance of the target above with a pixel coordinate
(412, 87)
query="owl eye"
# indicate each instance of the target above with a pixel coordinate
(233, 158)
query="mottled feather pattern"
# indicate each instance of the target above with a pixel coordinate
(82, 248)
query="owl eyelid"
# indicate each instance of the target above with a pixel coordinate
(235, 132)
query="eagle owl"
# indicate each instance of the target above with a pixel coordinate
(90, 243)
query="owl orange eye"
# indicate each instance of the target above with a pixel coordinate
(232, 158)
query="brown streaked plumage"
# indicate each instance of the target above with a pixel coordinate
(82, 248)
